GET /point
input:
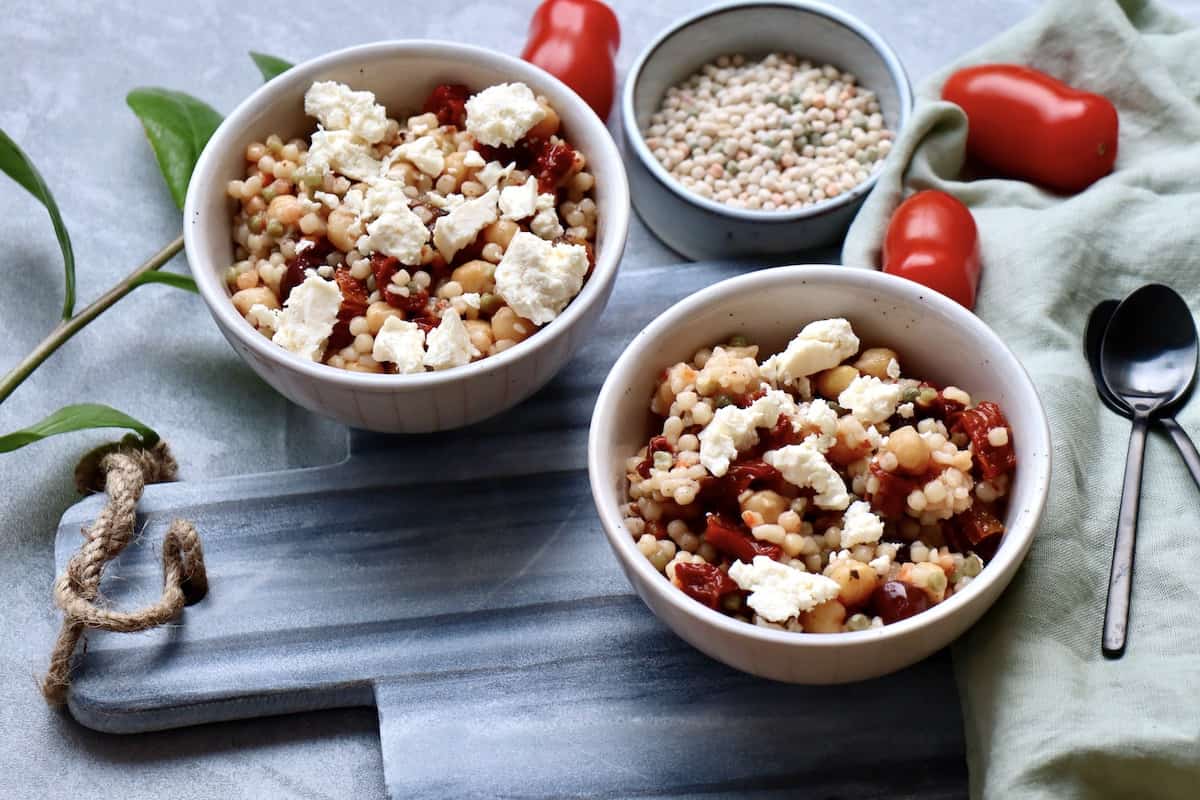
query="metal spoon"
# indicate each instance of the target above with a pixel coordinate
(1148, 361)
(1092, 338)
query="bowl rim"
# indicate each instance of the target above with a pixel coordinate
(641, 150)
(1000, 569)
(231, 133)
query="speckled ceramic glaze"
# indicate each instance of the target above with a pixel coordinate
(700, 228)
(935, 337)
(401, 74)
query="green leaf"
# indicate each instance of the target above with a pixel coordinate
(169, 278)
(76, 418)
(270, 66)
(178, 126)
(17, 166)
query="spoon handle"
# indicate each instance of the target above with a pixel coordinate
(1116, 612)
(1183, 442)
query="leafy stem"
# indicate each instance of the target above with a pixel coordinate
(69, 327)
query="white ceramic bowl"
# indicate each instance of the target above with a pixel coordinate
(935, 337)
(401, 74)
(703, 229)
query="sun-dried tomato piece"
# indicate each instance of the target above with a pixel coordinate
(977, 423)
(722, 493)
(658, 444)
(383, 267)
(413, 304)
(979, 530)
(782, 435)
(891, 495)
(656, 528)
(449, 102)
(311, 257)
(552, 163)
(947, 410)
(354, 295)
(730, 539)
(426, 323)
(704, 582)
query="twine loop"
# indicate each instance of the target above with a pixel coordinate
(122, 471)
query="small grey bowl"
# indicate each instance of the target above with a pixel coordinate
(705, 229)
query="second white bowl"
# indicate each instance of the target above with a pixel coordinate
(936, 339)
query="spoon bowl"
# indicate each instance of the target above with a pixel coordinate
(1148, 356)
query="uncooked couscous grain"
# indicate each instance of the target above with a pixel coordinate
(773, 134)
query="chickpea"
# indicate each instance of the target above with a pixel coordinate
(507, 325)
(500, 232)
(480, 332)
(874, 361)
(339, 228)
(911, 451)
(768, 504)
(286, 209)
(832, 382)
(246, 298)
(857, 581)
(475, 276)
(378, 313)
(825, 618)
(548, 126)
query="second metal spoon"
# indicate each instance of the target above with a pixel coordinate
(1093, 337)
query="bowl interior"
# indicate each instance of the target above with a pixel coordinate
(401, 74)
(770, 306)
(756, 29)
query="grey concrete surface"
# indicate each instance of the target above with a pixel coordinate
(66, 68)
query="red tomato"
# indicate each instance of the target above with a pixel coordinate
(1031, 126)
(576, 41)
(932, 240)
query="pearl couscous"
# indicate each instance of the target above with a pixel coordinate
(774, 134)
(819, 489)
(406, 245)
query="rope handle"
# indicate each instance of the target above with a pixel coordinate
(123, 472)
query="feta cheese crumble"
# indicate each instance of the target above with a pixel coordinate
(449, 344)
(519, 202)
(343, 152)
(396, 230)
(804, 465)
(425, 154)
(733, 429)
(779, 592)
(537, 278)
(402, 343)
(870, 399)
(339, 108)
(308, 318)
(820, 345)
(459, 228)
(860, 525)
(503, 114)
(493, 173)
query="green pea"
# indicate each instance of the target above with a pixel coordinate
(275, 228)
(256, 223)
(489, 303)
(269, 193)
(722, 400)
(739, 341)
(858, 622)
(926, 396)
(910, 394)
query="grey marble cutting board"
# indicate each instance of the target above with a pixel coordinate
(461, 584)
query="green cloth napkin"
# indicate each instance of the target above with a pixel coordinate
(1046, 716)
